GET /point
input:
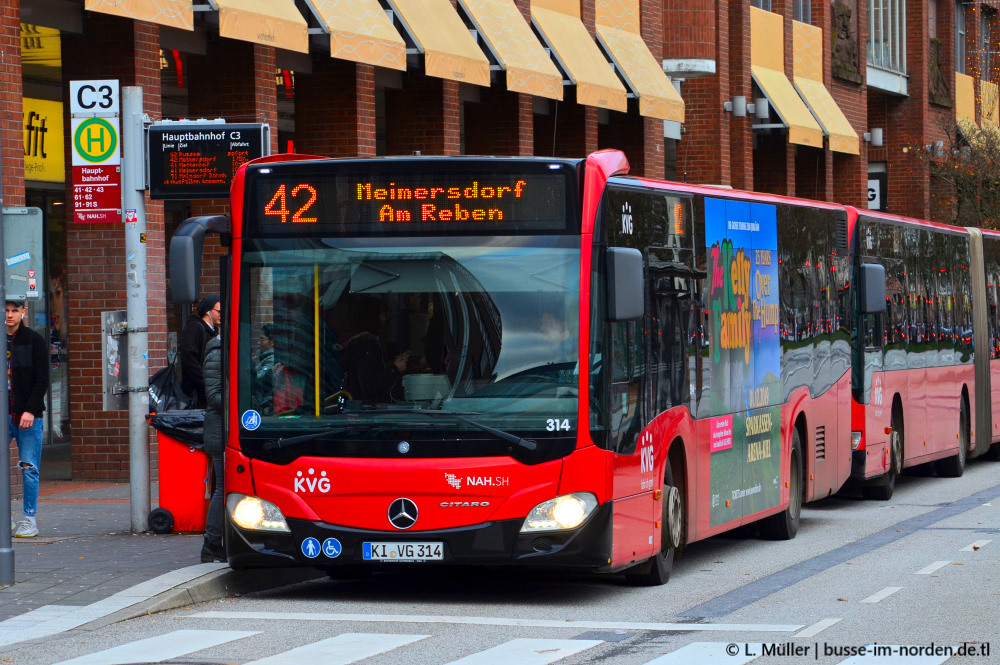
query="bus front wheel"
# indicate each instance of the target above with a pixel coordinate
(656, 570)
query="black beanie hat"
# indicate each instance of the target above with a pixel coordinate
(207, 303)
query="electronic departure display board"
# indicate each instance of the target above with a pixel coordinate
(420, 195)
(199, 160)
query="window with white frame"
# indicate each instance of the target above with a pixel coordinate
(802, 10)
(887, 35)
(960, 36)
(986, 60)
(761, 4)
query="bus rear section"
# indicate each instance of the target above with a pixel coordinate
(914, 382)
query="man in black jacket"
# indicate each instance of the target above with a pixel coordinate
(197, 331)
(27, 381)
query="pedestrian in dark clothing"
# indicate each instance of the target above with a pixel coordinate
(212, 549)
(197, 332)
(27, 381)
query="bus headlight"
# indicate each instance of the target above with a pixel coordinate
(563, 512)
(255, 514)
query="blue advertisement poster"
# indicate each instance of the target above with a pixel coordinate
(741, 241)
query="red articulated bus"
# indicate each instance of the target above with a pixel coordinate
(527, 361)
(922, 368)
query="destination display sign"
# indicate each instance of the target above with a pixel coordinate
(417, 200)
(199, 160)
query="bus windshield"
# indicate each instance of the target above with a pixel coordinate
(358, 331)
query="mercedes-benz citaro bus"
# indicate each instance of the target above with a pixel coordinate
(523, 361)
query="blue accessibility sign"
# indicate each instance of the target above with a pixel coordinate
(332, 548)
(310, 547)
(250, 420)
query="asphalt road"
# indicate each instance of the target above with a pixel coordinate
(912, 577)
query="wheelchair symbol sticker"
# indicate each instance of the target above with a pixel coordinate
(251, 420)
(310, 547)
(332, 548)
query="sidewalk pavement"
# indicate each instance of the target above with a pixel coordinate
(86, 566)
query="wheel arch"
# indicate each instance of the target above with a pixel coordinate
(678, 459)
(806, 451)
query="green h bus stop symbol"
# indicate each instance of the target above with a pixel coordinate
(95, 140)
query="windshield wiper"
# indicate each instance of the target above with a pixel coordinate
(513, 439)
(285, 442)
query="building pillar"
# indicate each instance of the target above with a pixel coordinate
(335, 109)
(234, 80)
(11, 141)
(910, 119)
(742, 152)
(500, 123)
(423, 116)
(699, 30)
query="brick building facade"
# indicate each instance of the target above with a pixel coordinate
(324, 99)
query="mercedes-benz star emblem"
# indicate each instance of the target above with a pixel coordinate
(402, 513)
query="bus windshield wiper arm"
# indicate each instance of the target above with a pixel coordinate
(285, 442)
(513, 439)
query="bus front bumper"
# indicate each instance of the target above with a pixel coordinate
(316, 544)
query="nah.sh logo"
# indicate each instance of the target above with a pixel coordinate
(311, 483)
(453, 480)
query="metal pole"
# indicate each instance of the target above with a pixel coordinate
(136, 321)
(6, 546)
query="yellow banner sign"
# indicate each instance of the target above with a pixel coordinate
(44, 156)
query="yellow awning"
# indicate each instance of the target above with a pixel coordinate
(529, 67)
(965, 98)
(274, 23)
(595, 80)
(807, 74)
(767, 66)
(989, 98)
(965, 107)
(361, 31)
(171, 13)
(618, 30)
(449, 50)
(657, 96)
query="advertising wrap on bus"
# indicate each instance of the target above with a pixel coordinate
(741, 240)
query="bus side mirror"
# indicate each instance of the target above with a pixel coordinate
(624, 282)
(185, 255)
(872, 288)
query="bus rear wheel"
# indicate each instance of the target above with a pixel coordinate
(785, 524)
(656, 570)
(954, 466)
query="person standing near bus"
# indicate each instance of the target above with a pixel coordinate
(197, 332)
(27, 381)
(212, 549)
